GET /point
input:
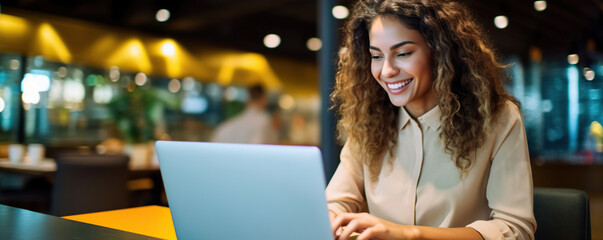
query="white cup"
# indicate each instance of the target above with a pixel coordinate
(16, 152)
(35, 152)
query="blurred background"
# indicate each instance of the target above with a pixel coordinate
(75, 74)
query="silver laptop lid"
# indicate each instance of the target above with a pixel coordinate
(244, 191)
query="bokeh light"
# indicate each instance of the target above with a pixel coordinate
(168, 49)
(114, 74)
(314, 44)
(31, 97)
(286, 102)
(589, 74)
(62, 72)
(174, 85)
(2, 104)
(573, 59)
(340, 12)
(14, 64)
(272, 40)
(162, 15)
(188, 83)
(140, 79)
(501, 21)
(540, 5)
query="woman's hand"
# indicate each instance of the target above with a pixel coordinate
(371, 227)
(368, 226)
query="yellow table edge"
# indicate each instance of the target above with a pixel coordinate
(154, 221)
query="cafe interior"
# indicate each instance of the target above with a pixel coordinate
(103, 80)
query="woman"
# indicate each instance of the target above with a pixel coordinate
(435, 148)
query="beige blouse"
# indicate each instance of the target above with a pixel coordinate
(423, 186)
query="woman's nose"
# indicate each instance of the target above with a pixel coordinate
(389, 69)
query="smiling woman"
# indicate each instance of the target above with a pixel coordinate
(432, 134)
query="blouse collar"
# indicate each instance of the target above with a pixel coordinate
(431, 118)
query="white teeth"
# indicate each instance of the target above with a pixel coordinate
(399, 85)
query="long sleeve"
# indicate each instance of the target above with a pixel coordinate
(509, 186)
(345, 192)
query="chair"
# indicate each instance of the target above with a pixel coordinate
(561, 213)
(89, 183)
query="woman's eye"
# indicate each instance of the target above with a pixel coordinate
(404, 54)
(376, 57)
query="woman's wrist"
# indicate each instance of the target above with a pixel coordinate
(425, 232)
(409, 232)
(414, 233)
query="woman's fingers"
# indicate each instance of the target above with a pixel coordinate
(352, 227)
(346, 224)
(337, 223)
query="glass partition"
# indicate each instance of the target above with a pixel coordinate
(11, 68)
(561, 105)
(70, 104)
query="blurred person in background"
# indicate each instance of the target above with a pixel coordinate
(436, 148)
(253, 125)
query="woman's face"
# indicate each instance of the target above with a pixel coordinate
(401, 63)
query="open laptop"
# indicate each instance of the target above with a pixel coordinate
(244, 191)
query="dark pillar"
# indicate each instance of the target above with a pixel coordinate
(21, 125)
(326, 60)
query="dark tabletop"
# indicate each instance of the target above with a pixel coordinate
(16, 223)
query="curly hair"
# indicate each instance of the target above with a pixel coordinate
(468, 80)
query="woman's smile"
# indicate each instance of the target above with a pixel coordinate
(399, 86)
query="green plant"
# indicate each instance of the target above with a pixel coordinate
(137, 113)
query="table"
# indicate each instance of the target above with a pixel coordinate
(17, 224)
(45, 166)
(48, 165)
(155, 221)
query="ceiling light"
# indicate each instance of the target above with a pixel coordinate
(314, 44)
(540, 5)
(168, 49)
(340, 12)
(162, 15)
(573, 59)
(501, 21)
(272, 41)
